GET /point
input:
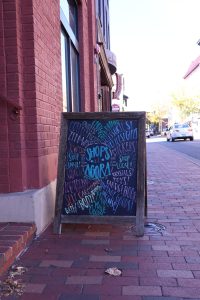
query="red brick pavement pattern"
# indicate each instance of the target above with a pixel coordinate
(161, 265)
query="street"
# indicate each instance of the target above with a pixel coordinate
(190, 148)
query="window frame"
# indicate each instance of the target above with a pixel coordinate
(71, 41)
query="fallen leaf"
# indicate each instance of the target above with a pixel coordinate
(17, 270)
(11, 286)
(113, 271)
(108, 250)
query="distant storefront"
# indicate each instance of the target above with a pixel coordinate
(119, 99)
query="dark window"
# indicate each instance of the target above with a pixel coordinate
(99, 9)
(74, 79)
(108, 37)
(102, 7)
(65, 72)
(104, 24)
(70, 55)
(70, 10)
(106, 29)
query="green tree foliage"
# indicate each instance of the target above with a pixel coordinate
(159, 111)
(152, 118)
(186, 105)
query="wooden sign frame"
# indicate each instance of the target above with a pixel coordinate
(141, 197)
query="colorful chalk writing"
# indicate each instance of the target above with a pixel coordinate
(98, 165)
(101, 168)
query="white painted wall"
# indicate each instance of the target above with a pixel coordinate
(32, 206)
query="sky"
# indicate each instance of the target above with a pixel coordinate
(154, 41)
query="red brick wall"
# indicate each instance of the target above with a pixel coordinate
(87, 44)
(31, 77)
(11, 129)
(83, 55)
(4, 159)
(48, 86)
(92, 32)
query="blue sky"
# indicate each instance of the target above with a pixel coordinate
(155, 42)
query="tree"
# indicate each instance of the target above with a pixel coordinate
(159, 112)
(185, 104)
(152, 118)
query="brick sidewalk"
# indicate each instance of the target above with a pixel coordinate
(164, 264)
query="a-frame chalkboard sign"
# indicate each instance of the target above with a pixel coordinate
(101, 169)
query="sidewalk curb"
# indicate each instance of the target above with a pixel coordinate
(189, 158)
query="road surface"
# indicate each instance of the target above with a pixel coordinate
(190, 148)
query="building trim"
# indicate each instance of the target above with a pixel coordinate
(193, 66)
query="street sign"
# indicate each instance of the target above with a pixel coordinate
(115, 108)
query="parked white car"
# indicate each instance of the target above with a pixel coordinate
(180, 131)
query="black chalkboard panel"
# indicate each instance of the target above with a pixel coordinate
(101, 170)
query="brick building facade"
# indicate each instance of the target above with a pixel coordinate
(36, 39)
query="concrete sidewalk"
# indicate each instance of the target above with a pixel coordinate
(164, 264)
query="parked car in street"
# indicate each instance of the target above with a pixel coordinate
(164, 131)
(180, 131)
(148, 133)
(151, 132)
